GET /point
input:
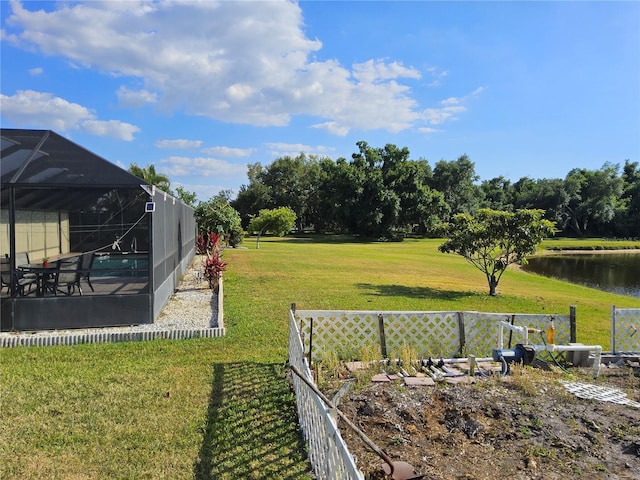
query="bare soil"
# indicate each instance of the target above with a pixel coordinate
(521, 426)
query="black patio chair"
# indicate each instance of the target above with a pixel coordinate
(21, 280)
(87, 263)
(22, 258)
(67, 274)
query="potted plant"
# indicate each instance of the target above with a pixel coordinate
(45, 262)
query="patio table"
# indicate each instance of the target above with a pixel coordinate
(41, 272)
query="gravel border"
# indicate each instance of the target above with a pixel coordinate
(193, 311)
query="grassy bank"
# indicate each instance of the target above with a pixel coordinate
(220, 408)
(589, 244)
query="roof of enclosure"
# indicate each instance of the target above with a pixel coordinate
(42, 159)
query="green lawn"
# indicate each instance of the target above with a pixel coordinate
(220, 408)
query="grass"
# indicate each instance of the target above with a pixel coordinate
(220, 408)
(589, 244)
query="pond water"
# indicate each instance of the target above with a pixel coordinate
(611, 272)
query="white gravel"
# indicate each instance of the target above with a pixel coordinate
(193, 307)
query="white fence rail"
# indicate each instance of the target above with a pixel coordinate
(434, 334)
(328, 453)
(625, 330)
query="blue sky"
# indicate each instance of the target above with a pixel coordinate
(201, 89)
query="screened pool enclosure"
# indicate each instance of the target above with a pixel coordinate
(84, 243)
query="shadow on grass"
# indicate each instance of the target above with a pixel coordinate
(251, 429)
(415, 292)
(328, 238)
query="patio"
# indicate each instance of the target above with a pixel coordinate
(60, 203)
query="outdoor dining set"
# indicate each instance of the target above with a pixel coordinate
(59, 277)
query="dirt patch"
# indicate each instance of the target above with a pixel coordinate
(525, 426)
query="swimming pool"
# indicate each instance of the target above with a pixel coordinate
(120, 265)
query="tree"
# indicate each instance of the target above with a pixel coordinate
(218, 216)
(149, 175)
(628, 215)
(593, 197)
(278, 221)
(497, 193)
(548, 194)
(375, 207)
(187, 197)
(456, 182)
(492, 239)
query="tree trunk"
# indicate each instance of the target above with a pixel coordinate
(493, 284)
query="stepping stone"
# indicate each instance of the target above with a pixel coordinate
(418, 381)
(456, 380)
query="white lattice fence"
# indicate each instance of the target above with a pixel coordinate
(348, 332)
(429, 334)
(328, 453)
(625, 330)
(434, 334)
(481, 330)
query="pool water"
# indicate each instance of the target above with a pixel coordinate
(118, 265)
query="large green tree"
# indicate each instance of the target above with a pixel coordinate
(457, 182)
(252, 197)
(491, 240)
(287, 181)
(627, 221)
(548, 194)
(375, 207)
(593, 198)
(497, 193)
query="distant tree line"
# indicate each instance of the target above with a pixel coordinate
(382, 193)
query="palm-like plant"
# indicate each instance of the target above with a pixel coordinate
(149, 175)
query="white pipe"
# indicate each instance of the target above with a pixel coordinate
(522, 330)
(580, 348)
(465, 360)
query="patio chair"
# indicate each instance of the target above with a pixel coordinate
(22, 258)
(68, 275)
(21, 282)
(87, 263)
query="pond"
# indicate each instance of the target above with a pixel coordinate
(610, 272)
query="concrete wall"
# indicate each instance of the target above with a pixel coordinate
(39, 233)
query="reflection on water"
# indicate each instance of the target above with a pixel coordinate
(611, 272)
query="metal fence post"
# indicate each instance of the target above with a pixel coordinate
(461, 332)
(572, 324)
(383, 338)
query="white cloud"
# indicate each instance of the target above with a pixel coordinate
(228, 151)
(201, 167)
(178, 143)
(34, 72)
(294, 149)
(135, 98)
(110, 128)
(437, 74)
(28, 108)
(43, 110)
(436, 116)
(428, 130)
(332, 127)
(373, 71)
(240, 62)
(450, 108)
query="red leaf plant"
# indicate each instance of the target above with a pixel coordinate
(213, 264)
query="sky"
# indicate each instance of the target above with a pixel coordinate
(203, 89)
